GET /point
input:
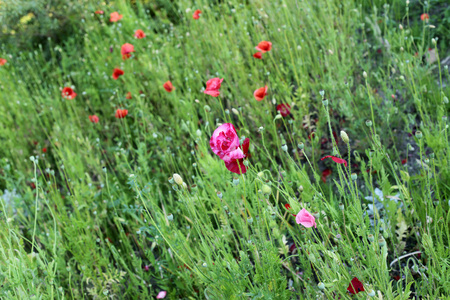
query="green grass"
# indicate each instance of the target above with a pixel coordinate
(95, 216)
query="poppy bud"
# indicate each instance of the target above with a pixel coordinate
(445, 100)
(344, 137)
(325, 102)
(433, 41)
(341, 206)
(266, 189)
(235, 111)
(177, 178)
(381, 242)
(207, 108)
(400, 26)
(365, 74)
(322, 93)
(369, 123)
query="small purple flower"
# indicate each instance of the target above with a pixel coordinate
(111, 49)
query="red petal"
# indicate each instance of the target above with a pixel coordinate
(234, 166)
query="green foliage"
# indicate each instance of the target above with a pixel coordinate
(91, 211)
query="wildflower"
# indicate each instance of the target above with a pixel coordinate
(306, 219)
(335, 159)
(355, 286)
(117, 73)
(404, 161)
(424, 17)
(3, 61)
(257, 55)
(284, 109)
(44, 150)
(213, 86)
(128, 96)
(161, 295)
(264, 46)
(126, 50)
(139, 34)
(225, 143)
(68, 93)
(196, 14)
(168, 86)
(93, 119)
(237, 165)
(121, 113)
(178, 179)
(99, 12)
(325, 174)
(260, 93)
(114, 17)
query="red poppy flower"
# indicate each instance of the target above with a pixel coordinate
(114, 17)
(284, 109)
(213, 86)
(3, 61)
(126, 50)
(139, 34)
(335, 159)
(260, 93)
(44, 150)
(68, 93)
(257, 55)
(196, 14)
(117, 73)
(325, 174)
(93, 119)
(424, 17)
(355, 286)
(168, 86)
(99, 12)
(121, 113)
(237, 166)
(264, 46)
(404, 161)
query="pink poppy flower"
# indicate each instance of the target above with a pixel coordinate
(264, 46)
(355, 286)
(284, 109)
(306, 219)
(121, 113)
(126, 50)
(424, 17)
(335, 159)
(257, 55)
(117, 73)
(94, 119)
(3, 61)
(161, 295)
(196, 14)
(225, 143)
(260, 93)
(213, 86)
(139, 34)
(99, 12)
(68, 93)
(237, 165)
(114, 17)
(168, 86)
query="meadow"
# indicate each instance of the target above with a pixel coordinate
(270, 149)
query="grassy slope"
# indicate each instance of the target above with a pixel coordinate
(102, 193)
